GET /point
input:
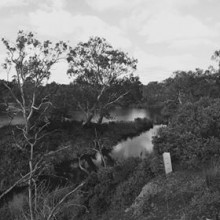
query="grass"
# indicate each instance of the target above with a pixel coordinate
(212, 176)
(181, 195)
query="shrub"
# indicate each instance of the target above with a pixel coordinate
(129, 189)
(193, 135)
(17, 208)
(212, 176)
(112, 189)
(204, 205)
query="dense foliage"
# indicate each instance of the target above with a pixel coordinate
(193, 135)
(76, 153)
(184, 87)
(108, 192)
(104, 77)
(80, 141)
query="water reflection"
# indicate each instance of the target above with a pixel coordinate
(128, 114)
(5, 120)
(137, 146)
(118, 114)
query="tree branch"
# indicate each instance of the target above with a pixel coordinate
(13, 95)
(52, 213)
(117, 99)
(17, 182)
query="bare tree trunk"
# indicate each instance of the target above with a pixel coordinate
(103, 160)
(89, 119)
(179, 98)
(37, 69)
(100, 119)
(30, 197)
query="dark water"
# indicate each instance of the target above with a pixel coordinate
(137, 146)
(119, 114)
(5, 120)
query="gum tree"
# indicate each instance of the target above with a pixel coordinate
(101, 74)
(30, 60)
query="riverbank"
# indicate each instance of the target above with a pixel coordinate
(82, 141)
(138, 146)
(130, 189)
(182, 195)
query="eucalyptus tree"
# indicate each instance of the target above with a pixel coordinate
(101, 74)
(30, 60)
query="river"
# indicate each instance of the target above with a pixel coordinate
(118, 114)
(5, 120)
(136, 146)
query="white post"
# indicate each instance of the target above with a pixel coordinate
(167, 162)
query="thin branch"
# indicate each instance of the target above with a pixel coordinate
(16, 142)
(52, 213)
(32, 105)
(39, 106)
(83, 206)
(112, 102)
(56, 151)
(82, 109)
(17, 182)
(81, 167)
(13, 95)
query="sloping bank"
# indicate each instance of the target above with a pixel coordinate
(180, 195)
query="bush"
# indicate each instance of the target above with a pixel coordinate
(212, 176)
(128, 190)
(17, 208)
(204, 205)
(101, 186)
(193, 135)
(111, 190)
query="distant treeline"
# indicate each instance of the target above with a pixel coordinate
(65, 98)
(164, 96)
(183, 87)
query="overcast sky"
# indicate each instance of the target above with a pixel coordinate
(164, 35)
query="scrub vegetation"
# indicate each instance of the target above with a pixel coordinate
(53, 166)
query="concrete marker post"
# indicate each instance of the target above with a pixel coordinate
(167, 162)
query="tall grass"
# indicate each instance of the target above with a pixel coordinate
(212, 176)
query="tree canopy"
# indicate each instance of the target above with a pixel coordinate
(183, 87)
(103, 75)
(31, 61)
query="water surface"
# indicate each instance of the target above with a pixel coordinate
(5, 120)
(136, 146)
(118, 114)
